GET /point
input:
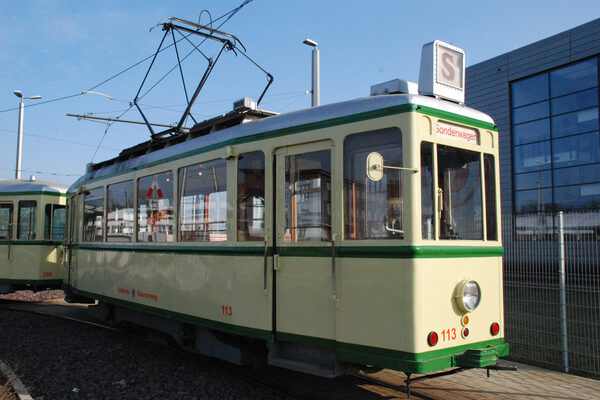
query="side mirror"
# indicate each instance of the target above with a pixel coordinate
(375, 167)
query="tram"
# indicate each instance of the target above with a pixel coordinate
(32, 220)
(365, 232)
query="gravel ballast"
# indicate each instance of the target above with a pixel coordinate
(61, 359)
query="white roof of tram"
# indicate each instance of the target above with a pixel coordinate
(283, 121)
(27, 185)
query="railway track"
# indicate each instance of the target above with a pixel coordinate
(283, 383)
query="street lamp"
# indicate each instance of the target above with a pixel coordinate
(20, 139)
(316, 80)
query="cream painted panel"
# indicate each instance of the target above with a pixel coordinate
(400, 301)
(32, 261)
(305, 303)
(436, 279)
(90, 271)
(376, 297)
(223, 289)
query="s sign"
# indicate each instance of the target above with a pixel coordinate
(449, 67)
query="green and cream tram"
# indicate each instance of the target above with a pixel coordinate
(32, 220)
(358, 233)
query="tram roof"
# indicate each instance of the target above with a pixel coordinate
(273, 124)
(29, 186)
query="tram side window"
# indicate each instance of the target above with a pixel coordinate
(27, 220)
(54, 222)
(251, 197)
(155, 208)
(490, 197)
(459, 181)
(6, 220)
(93, 215)
(203, 202)
(373, 210)
(427, 192)
(308, 197)
(119, 212)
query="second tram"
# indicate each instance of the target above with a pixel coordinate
(32, 220)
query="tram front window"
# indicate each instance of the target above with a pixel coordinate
(459, 194)
(6, 211)
(27, 218)
(373, 209)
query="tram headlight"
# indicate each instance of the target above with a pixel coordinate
(467, 295)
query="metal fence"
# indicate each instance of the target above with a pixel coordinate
(552, 290)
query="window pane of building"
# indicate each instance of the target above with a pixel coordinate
(531, 112)
(155, 208)
(427, 192)
(251, 197)
(6, 218)
(203, 203)
(532, 131)
(373, 210)
(93, 215)
(580, 196)
(531, 157)
(27, 220)
(459, 178)
(573, 150)
(530, 201)
(119, 213)
(575, 122)
(577, 175)
(573, 78)
(530, 90)
(533, 180)
(308, 197)
(576, 101)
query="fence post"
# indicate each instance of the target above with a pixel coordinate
(563, 292)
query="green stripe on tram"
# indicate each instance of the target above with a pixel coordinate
(40, 193)
(313, 251)
(16, 242)
(33, 282)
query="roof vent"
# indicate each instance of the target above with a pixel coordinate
(395, 86)
(32, 178)
(244, 104)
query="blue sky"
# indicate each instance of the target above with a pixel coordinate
(58, 49)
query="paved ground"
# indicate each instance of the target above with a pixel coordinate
(526, 383)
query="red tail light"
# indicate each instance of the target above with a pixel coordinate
(432, 338)
(465, 332)
(494, 329)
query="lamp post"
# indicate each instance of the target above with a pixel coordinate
(20, 139)
(316, 79)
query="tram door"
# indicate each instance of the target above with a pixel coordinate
(303, 258)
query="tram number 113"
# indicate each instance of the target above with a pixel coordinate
(449, 334)
(227, 311)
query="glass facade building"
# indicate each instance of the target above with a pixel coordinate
(544, 97)
(556, 143)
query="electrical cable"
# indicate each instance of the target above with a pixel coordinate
(230, 15)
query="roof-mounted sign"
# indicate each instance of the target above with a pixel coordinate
(442, 71)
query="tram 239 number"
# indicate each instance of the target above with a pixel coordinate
(227, 311)
(449, 334)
